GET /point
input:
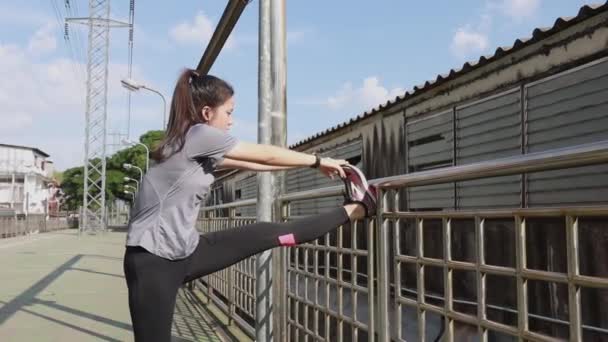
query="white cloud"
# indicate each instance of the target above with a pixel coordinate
(370, 94)
(45, 101)
(198, 31)
(473, 39)
(467, 41)
(519, 9)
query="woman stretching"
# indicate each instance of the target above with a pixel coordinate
(164, 249)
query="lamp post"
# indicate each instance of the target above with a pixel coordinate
(131, 143)
(128, 166)
(132, 85)
(131, 187)
(126, 179)
(132, 195)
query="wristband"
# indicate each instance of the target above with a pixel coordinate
(317, 162)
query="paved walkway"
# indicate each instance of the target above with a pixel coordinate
(60, 286)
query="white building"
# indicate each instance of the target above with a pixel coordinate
(25, 176)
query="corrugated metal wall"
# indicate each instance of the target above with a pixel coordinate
(487, 130)
(563, 111)
(430, 145)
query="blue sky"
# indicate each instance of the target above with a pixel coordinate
(344, 57)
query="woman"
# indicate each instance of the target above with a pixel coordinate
(164, 249)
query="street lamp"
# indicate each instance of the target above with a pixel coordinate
(131, 187)
(131, 143)
(128, 166)
(132, 85)
(130, 193)
(126, 179)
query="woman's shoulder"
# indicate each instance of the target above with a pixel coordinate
(203, 129)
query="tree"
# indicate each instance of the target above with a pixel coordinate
(73, 179)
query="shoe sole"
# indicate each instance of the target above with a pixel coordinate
(360, 180)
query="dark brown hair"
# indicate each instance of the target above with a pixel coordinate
(192, 92)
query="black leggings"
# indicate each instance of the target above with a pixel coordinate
(153, 281)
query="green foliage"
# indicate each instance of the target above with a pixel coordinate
(58, 176)
(73, 186)
(73, 179)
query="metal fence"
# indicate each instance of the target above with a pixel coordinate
(408, 275)
(12, 226)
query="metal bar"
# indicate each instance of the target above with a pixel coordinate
(230, 280)
(522, 285)
(383, 269)
(599, 210)
(481, 276)
(229, 18)
(340, 327)
(574, 291)
(271, 130)
(397, 277)
(371, 250)
(447, 278)
(353, 279)
(420, 280)
(263, 319)
(581, 155)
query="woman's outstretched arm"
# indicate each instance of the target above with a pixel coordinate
(282, 157)
(228, 163)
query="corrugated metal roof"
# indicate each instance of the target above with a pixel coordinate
(560, 24)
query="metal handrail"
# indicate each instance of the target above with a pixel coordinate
(563, 158)
(580, 155)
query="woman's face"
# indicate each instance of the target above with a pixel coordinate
(220, 116)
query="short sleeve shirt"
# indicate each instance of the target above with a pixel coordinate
(163, 218)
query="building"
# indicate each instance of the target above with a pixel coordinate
(544, 92)
(25, 179)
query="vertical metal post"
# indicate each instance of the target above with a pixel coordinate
(383, 276)
(13, 191)
(447, 279)
(522, 282)
(271, 130)
(231, 277)
(574, 291)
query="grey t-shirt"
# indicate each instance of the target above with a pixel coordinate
(166, 207)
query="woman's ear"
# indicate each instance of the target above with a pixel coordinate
(206, 112)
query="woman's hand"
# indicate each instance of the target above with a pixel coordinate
(332, 167)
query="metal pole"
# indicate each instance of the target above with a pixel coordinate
(263, 317)
(164, 105)
(278, 70)
(383, 298)
(271, 130)
(147, 154)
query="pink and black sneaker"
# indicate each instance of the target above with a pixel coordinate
(358, 191)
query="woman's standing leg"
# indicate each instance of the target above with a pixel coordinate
(221, 249)
(153, 283)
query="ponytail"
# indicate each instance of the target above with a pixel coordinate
(192, 92)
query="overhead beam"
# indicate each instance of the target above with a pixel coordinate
(231, 15)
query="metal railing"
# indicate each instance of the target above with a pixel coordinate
(15, 225)
(391, 278)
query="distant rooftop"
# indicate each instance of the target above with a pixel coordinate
(27, 148)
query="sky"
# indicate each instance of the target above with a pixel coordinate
(343, 58)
